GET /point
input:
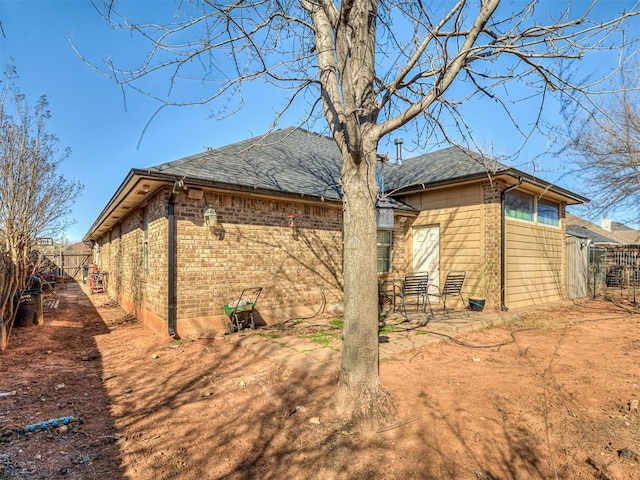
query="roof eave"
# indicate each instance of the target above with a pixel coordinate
(124, 190)
(513, 174)
(572, 198)
(114, 212)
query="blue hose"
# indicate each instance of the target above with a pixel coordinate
(44, 425)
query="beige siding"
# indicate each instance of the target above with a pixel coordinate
(459, 214)
(533, 263)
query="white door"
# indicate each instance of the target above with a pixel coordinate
(426, 252)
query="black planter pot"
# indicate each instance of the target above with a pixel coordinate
(476, 304)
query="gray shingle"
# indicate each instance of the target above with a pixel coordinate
(438, 167)
(296, 161)
(289, 161)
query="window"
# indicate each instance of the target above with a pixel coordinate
(384, 251)
(548, 213)
(524, 206)
(518, 205)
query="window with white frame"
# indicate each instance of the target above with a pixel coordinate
(525, 206)
(384, 251)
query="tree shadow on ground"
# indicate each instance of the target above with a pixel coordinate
(156, 408)
(55, 370)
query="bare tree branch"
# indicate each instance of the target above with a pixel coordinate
(376, 67)
(607, 150)
(34, 199)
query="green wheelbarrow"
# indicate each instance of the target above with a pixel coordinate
(240, 312)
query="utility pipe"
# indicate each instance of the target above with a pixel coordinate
(503, 245)
(171, 259)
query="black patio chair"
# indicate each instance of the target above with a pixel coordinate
(412, 290)
(452, 287)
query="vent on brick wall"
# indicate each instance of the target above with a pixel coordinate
(144, 190)
(195, 194)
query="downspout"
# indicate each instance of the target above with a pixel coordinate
(503, 245)
(171, 259)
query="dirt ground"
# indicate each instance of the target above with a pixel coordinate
(555, 397)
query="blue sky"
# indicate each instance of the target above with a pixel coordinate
(89, 114)
(88, 111)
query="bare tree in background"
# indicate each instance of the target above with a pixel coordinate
(369, 68)
(34, 198)
(606, 147)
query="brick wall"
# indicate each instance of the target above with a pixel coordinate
(492, 233)
(399, 257)
(252, 245)
(121, 255)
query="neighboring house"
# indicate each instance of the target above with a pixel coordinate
(625, 234)
(274, 219)
(612, 259)
(77, 247)
(594, 234)
(581, 236)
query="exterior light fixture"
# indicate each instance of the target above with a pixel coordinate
(210, 217)
(384, 210)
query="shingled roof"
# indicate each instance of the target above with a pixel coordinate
(583, 228)
(621, 233)
(291, 160)
(296, 162)
(440, 167)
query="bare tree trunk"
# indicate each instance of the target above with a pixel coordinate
(381, 65)
(3, 336)
(8, 289)
(360, 396)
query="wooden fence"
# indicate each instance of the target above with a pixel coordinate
(615, 271)
(66, 263)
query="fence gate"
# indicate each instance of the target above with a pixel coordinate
(68, 264)
(577, 267)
